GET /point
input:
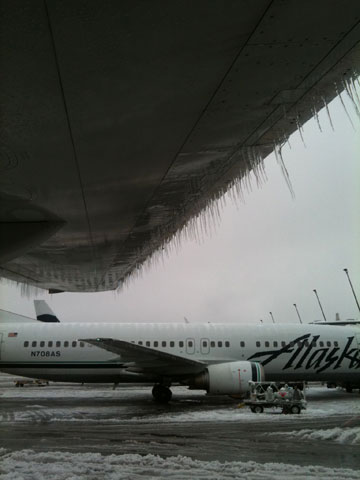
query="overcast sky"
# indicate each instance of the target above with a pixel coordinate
(268, 252)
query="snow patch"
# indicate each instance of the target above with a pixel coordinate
(344, 435)
(29, 465)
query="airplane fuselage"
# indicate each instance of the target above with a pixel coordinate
(287, 352)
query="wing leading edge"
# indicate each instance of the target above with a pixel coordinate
(137, 358)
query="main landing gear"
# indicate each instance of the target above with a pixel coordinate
(161, 393)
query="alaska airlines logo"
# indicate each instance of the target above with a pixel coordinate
(305, 354)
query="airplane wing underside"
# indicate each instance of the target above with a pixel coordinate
(123, 121)
(147, 360)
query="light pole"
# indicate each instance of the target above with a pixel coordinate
(322, 311)
(297, 311)
(352, 288)
(272, 317)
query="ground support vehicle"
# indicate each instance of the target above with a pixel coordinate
(25, 381)
(290, 398)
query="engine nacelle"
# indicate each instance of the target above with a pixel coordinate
(231, 378)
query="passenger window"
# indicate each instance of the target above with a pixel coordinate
(283, 344)
(204, 343)
(212, 344)
(328, 344)
(275, 343)
(140, 342)
(163, 343)
(42, 343)
(267, 344)
(26, 343)
(242, 344)
(321, 343)
(58, 343)
(219, 344)
(33, 344)
(336, 343)
(66, 343)
(74, 343)
(156, 343)
(291, 344)
(50, 343)
(258, 344)
(190, 343)
(181, 344)
(148, 344)
(313, 343)
(82, 344)
(227, 344)
(172, 344)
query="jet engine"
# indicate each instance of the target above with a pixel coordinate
(231, 378)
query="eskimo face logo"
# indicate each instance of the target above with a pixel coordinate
(305, 354)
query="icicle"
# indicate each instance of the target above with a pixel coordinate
(316, 115)
(355, 91)
(328, 113)
(344, 106)
(299, 127)
(280, 161)
(352, 96)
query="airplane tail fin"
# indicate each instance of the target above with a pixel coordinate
(44, 312)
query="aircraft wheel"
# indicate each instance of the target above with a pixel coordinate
(258, 409)
(295, 409)
(161, 393)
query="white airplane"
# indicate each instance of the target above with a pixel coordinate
(220, 359)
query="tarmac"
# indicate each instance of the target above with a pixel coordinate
(94, 418)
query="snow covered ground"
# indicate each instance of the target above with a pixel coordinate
(321, 403)
(76, 432)
(345, 435)
(28, 465)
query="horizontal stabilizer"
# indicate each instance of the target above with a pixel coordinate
(44, 312)
(10, 317)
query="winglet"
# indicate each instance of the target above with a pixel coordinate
(44, 312)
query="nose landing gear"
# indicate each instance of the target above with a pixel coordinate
(161, 393)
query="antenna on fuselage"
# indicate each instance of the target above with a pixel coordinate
(322, 311)
(272, 317)
(297, 311)
(186, 320)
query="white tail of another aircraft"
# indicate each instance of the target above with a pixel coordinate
(44, 312)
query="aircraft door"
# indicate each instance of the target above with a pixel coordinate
(205, 346)
(190, 345)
